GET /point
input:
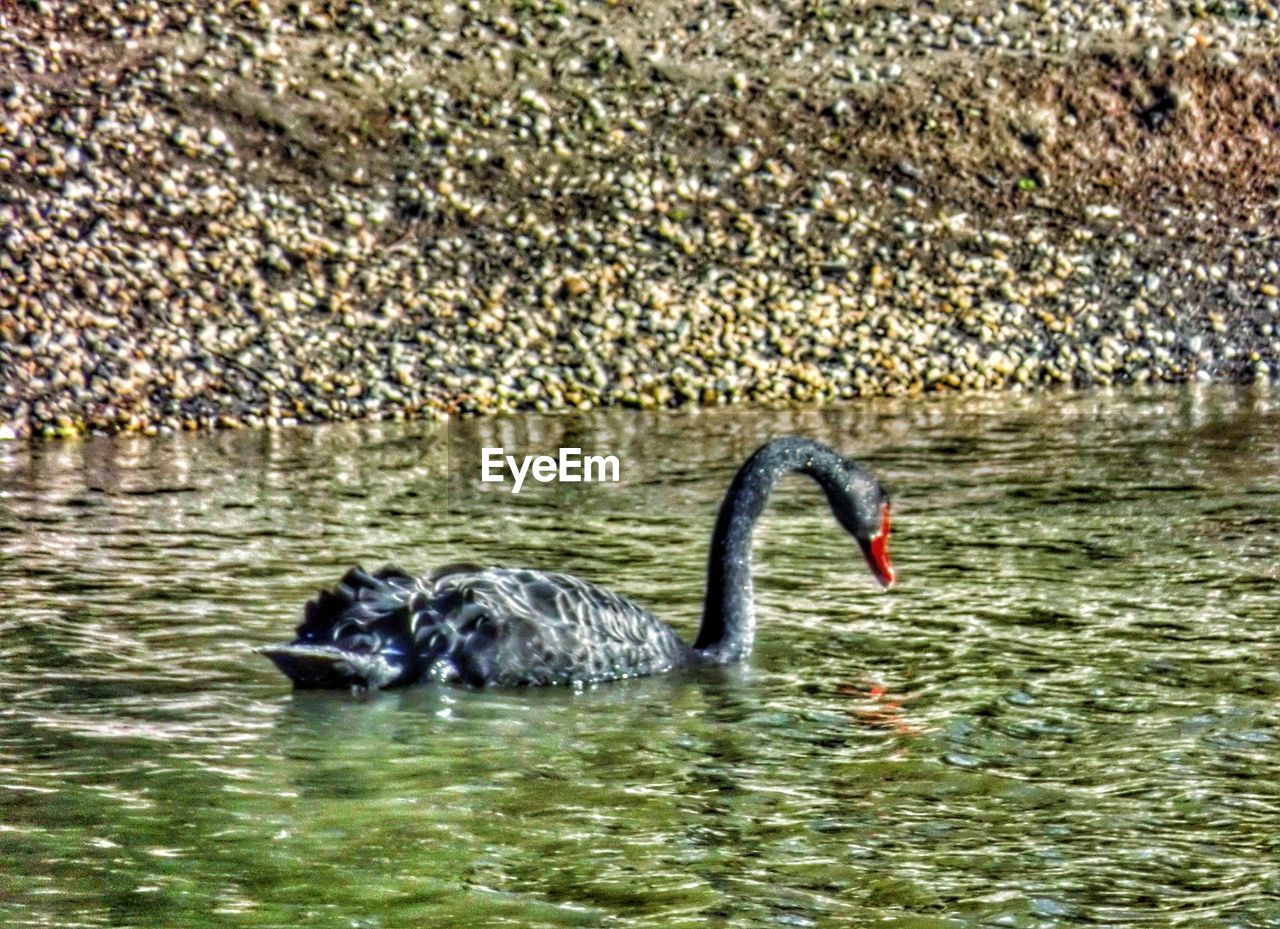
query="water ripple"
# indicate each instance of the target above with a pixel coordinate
(1065, 715)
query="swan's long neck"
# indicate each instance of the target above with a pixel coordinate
(728, 621)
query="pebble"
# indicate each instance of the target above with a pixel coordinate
(300, 213)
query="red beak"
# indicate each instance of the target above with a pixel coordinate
(877, 552)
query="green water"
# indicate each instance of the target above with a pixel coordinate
(1067, 713)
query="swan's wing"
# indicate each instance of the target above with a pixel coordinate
(513, 627)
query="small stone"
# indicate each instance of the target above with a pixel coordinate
(575, 284)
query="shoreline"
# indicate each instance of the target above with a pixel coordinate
(305, 213)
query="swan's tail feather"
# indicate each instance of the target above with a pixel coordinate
(357, 633)
(360, 597)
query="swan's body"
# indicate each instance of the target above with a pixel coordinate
(513, 627)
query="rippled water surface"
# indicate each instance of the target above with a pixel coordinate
(1067, 713)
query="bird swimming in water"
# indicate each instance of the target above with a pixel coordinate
(513, 627)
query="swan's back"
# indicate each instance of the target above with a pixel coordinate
(510, 626)
(501, 626)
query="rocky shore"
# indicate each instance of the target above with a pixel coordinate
(277, 211)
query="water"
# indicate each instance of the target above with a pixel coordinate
(1065, 714)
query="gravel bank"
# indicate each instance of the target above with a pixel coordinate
(255, 212)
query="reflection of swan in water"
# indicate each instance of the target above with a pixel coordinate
(514, 627)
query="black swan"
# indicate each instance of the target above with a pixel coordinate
(513, 627)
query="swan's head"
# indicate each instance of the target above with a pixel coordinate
(861, 506)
